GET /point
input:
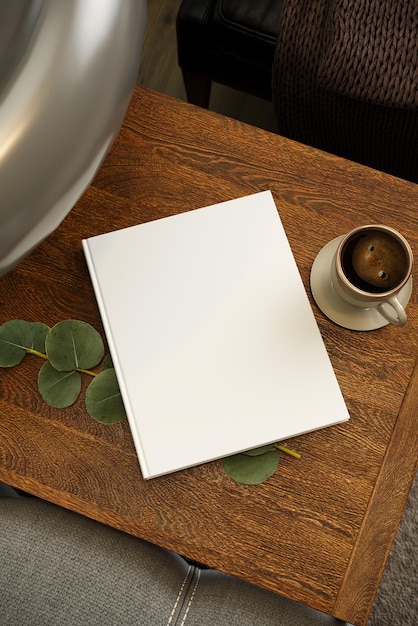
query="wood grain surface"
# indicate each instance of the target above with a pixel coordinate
(319, 531)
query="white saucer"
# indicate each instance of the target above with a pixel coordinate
(337, 309)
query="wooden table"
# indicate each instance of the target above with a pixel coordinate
(319, 531)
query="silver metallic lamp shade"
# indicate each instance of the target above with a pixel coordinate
(67, 71)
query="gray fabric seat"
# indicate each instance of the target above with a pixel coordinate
(60, 568)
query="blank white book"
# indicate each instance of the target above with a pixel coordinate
(211, 333)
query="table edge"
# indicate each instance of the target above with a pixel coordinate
(393, 484)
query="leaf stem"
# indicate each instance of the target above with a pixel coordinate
(36, 353)
(295, 455)
(45, 356)
(89, 372)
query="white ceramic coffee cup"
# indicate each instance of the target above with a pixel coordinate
(355, 290)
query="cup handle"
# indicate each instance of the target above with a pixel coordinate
(397, 320)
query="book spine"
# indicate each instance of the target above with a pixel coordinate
(115, 359)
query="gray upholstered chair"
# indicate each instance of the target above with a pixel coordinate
(58, 568)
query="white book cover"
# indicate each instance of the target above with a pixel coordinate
(212, 336)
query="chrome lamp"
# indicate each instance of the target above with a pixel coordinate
(67, 71)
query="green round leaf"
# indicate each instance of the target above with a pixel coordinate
(107, 362)
(103, 400)
(58, 389)
(251, 470)
(72, 344)
(16, 337)
(40, 332)
(262, 450)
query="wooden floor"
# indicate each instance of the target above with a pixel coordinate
(159, 70)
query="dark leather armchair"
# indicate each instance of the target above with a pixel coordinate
(231, 42)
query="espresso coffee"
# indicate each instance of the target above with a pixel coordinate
(374, 261)
(362, 280)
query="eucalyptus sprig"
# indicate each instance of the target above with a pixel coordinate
(255, 466)
(69, 349)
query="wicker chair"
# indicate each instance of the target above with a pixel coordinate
(345, 80)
